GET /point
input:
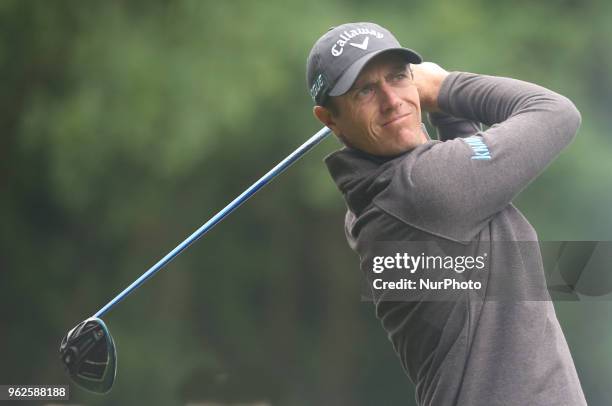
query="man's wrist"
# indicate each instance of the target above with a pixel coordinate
(442, 99)
(428, 78)
(436, 84)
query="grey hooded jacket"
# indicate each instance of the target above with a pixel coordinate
(472, 350)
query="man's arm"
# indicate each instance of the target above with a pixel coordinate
(449, 127)
(428, 78)
(456, 186)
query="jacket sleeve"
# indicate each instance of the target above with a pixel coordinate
(449, 127)
(453, 188)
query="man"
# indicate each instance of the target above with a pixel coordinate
(469, 347)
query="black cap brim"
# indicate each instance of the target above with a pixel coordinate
(350, 75)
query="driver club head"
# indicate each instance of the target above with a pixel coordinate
(89, 356)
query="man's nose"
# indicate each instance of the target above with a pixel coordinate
(389, 99)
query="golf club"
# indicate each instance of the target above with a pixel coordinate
(88, 350)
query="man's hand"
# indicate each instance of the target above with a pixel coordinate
(428, 78)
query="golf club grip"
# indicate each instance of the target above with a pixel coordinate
(233, 205)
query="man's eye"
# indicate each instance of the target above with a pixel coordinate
(401, 76)
(364, 91)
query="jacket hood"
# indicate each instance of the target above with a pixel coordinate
(359, 176)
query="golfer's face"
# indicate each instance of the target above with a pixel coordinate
(381, 114)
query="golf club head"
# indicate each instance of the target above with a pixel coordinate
(89, 356)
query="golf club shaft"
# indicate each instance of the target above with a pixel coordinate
(233, 205)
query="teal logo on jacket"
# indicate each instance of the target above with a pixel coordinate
(480, 149)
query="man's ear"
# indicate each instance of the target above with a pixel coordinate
(325, 116)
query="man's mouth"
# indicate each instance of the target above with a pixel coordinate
(395, 119)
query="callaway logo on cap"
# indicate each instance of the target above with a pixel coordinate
(338, 57)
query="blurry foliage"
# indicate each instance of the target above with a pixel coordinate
(125, 125)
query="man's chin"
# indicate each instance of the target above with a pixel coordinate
(406, 137)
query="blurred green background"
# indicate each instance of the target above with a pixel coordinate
(126, 125)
